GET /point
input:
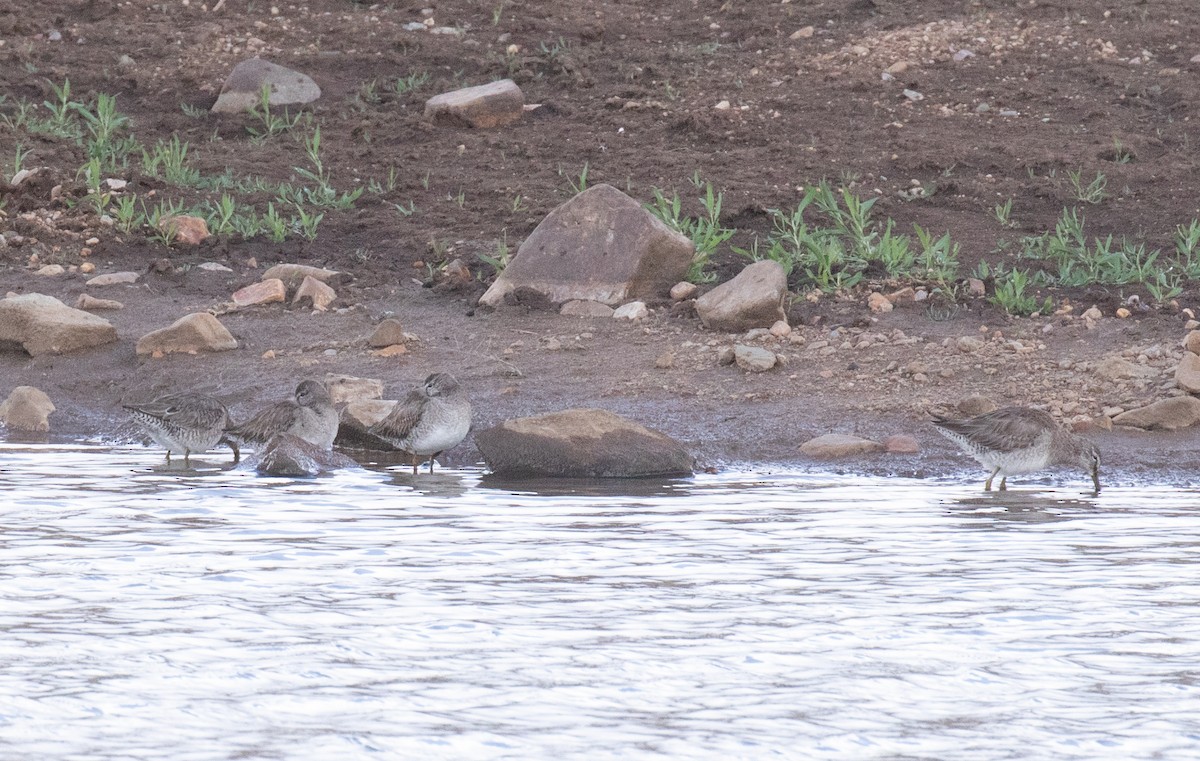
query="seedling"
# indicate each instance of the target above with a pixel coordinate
(19, 160)
(578, 185)
(1093, 192)
(502, 256)
(1003, 214)
(269, 124)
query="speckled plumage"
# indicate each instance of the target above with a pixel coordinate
(184, 423)
(310, 416)
(1016, 440)
(434, 417)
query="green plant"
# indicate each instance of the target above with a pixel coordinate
(580, 184)
(169, 161)
(1165, 286)
(158, 220)
(194, 112)
(1010, 294)
(1187, 248)
(518, 203)
(404, 85)
(269, 124)
(126, 214)
(324, 194)
(368, 92)
(938, 259)
(1120, 154)
(104, 124)
(94, 180)
(61, 123)
(1003, 214)
(502, 256)
(18, 164)
(460, 198)
(246, 225)
(220, 216)
(406, 211)
(705, 231)
(1093, 192)
(305, 223)
(496, 12)
(273, 224)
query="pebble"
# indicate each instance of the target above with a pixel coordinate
(781, 329)
(51, 270)
(665, 361)
(913, 95)
(1009, 112)
(802, 33)
(634, 310)
(54, 36)
(213, 267)
(879, 303)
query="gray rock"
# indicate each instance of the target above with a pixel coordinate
(244, 84)
(114, 278)
(1187, 374)
(976, 404)
(288, 455)
(585, 308)
(599, 246)
(26, 409)
(753, 299)
(347, 388)
(388, 333)
(1165, 415)
(42, 324)
(833, 445)
(970, 344)
(634, 310)
(1117, 368)
(189, 334)
(580, 443)
(754, 359)
(293, 275)
(486, 106)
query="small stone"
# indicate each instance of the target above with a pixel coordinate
(91, 303)
(317, 293)
(87, 268)
(899, 67)
(1122, 313)
(963, 55)
(552, 344)
(832, 445)
(969, 344)
(781, 329)
(26, 409)
(683, 291)
(264, 292)
(395, 350)
(723, 105)
(976, 404)
(1187, 374)
(268, 354)
(54, 36)
(293, 275)
(879, 303)
(665, 361)
(754, 359)
(388, 333)
(51, 270)
(126, 61)
(23, 175)
(586, 308)
(902, 296)
(213, 267)
(726, 356)
(1191, 341)
(114, 278)
(803, 33)
(976, 288)
(484, 107)
(634, 310)
(1009, 112)
(113, 183)
(1092, 313)
(913, 95)
(185, 229)
(983, 108)
(901, 443)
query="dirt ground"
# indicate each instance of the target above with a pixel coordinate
(631, 90)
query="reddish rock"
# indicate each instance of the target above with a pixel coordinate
(316, 292)
(585, 308)
(388, 333)
(901, 443)
(88, 302)
(484, 107)
(832, 445)
(185, 229)
(878, 303)
(263, 292)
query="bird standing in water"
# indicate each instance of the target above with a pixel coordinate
(434, 417)
(184, 424)
(310, 416)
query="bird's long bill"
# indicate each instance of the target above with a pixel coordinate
(1096, 479)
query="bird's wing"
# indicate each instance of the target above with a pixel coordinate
(400, 422)
(273, 420)
(185, 410)
(1004, 430)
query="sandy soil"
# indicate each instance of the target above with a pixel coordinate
(632, 91)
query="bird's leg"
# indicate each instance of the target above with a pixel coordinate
(1004, 483)
(431, 464)
(187, 453)
(412, 458)
(987, 485)
(168, 456)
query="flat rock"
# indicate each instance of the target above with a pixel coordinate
(484, 107)
(293, 275)
(114, 278)
(347, 388)
(356, 420)
(1118, 368)
(1187, 374)
(50, 270)
(42, 324)
(267, 291)
(26, 409)
(634, 310)
(833, 445)
(976, 404)
(754, 359)
(901, 443)
(387, 333)
(586, 308)
(1192, 341)
(683, 290)
(213, 267)
(580, 443)
(315, 292)
(753, 299)
(89, 302)
(244, 84)
(970, 344)
(1164, 415)
(600, 246)
(185, 229)
(288, 455)
(189, 334)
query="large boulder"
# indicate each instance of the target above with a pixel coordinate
(753, 299)
(1164, 415)
(581, 443)
(243, 87)
(190, 334)
(26, 409)
(599, 246)
(492, 105)
(42, 324)
(288, 455)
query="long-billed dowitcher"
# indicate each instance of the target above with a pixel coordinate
(434, 417)
(184, 423)
(310, 416)
(1015, 440)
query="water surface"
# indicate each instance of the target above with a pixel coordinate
(158, 613)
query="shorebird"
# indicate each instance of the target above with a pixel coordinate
(184, 423)
(311, 417)
(434, 417)
(1015, 440)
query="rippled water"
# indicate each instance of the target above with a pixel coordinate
(208, 614)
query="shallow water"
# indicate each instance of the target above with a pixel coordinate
(206, 614)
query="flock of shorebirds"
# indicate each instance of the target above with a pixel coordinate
(436, 416)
